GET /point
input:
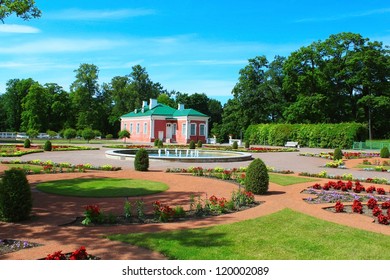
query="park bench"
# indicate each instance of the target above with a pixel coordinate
(292, 144)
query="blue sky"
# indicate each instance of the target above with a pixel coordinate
(188, 46)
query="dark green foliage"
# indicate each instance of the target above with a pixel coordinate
(109, 136)
(199, 144)
(235, 145)
(385, 152)
(15, 196)
(247, 145)
(192, 144)
(27, 143)
(156, 142)
(141, 161)
(88, 134)
(257, 179)
(308, 135)
(47, 147)
(337, 154)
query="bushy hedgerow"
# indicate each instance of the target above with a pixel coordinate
(385, 152)
(340, 135)
(192, 144)
(337, 154)
(141, 161)
(27, 143)
(257, 179)
(15, 196)
(48, 146)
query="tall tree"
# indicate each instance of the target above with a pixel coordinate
(60, 112)
(16, 90)
(25, 9)
(35, 108)
(84, 90)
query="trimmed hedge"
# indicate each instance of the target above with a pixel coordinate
(340, 135)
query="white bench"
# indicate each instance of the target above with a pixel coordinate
(292, 144)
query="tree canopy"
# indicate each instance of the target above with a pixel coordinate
(24, 9)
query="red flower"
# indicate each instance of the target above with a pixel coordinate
(357, 207)
(339, 207)
(386, 205)
(382, 219)
(376, 211)
(370, 189)
(380, 191)
(214, 200)
(372, 203)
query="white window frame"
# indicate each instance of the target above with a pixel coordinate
(174, 128)
(184, 129)
(192, 125)
(145, 128)
(131, 128)
(202, 127)
(137, 128)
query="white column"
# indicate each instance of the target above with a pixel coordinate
(206, 133)
(151, 128)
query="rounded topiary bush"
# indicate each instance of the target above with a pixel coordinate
(199, 144)
(235, 145)
(247, 145)
(15, 196)
(47, 147)
(156, 142)
(141, 161)
(192, 144)
(385, 152)
(27, 143)
(337, 154)
(257, 179)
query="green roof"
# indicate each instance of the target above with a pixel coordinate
(163, 110)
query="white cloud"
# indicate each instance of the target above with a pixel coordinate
(60, 45)
(17, 28)
(346, 16)
(77, 14)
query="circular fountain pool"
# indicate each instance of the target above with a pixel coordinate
(184, 155)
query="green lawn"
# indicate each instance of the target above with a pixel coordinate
(102, 187)
(285, 235)
(285, 180)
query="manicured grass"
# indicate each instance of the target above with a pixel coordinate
(285, 235)
(33, 168)
(102, 187)
(285, 180)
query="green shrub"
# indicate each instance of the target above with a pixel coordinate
(47, 147)
(15, 196)
(384, 152)
(160, 143)
(337, 154)
(109, 136)
(156, 142)
(247, 145)
(199, 144)
(257, 179)
(27, 143)
(141, 161)
(192, 144)
(235, 145)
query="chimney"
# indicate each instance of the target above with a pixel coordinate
(180, 107)
(144, 104)
(153, 103)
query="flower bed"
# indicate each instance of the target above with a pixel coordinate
(79, 254)
(11, 245)
(134, 212)
(372, 201)
(324, 174)
(346, 155)
(18, 150)
(52, 167)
